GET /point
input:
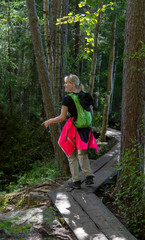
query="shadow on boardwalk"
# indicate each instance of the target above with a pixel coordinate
(83, 211)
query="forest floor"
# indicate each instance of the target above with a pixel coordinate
(21, 214)
(19, 208)
(21, 218)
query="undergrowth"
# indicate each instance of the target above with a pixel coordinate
(39, 173)
(25, 145)
(129, 193)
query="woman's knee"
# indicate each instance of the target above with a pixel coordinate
(72, 158)
(82, 153)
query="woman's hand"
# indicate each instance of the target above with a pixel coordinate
(58, 119)
(46, 123)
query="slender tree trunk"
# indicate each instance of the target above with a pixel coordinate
(45, 83)
(52, 27)
(9, 68)
(144, 112)
(114, 75)
(99, 57)
(57, 56)
(77, 41)
(64, 40)
(53, 18)
(27, 88)
(10, 100)
(94, 60)
(58, 34)
(110, 82)
(48, 42)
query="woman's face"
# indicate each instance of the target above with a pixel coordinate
(69, 87)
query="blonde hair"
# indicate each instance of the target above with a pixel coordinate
(72, 78)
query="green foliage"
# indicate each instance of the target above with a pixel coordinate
(84, 58)
(40, 172)
(23, 143)
(115, 120)
(130, 195)
(18, 76)
(140, 53)
(87, 17)
(88, 21)
(8, 228)
(97, 119)
(98, 111)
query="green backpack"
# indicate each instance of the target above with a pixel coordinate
(84, 118)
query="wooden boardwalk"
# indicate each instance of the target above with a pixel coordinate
(83, 211)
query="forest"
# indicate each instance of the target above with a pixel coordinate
(103, 43)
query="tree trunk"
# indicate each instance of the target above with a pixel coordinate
(9, 67)
(52, 28)
(64, 41)
(77, 41)
(48, 42)
(57, 56)
(58, 41)
(99, 60)
(45, 83)
(114, 75)
(94, 60)
(10, 100)
(110, 82)
(133, 93)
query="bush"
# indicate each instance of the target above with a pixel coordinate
(39, 173)
(130, 195)
(23, 143)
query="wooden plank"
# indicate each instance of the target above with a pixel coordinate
(76, 218)
(103, 165)
(102, 175)
(113, 133)
(105, 172)
(85, 214)
(102, 217)
(97, 164)
(83, 211)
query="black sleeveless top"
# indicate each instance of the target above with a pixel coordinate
(85, 100)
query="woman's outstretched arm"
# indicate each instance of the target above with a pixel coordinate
(60, 118)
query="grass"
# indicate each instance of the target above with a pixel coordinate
(38, 173)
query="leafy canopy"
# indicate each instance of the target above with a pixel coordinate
(87, 19)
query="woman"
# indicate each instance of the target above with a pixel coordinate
(75, 141)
